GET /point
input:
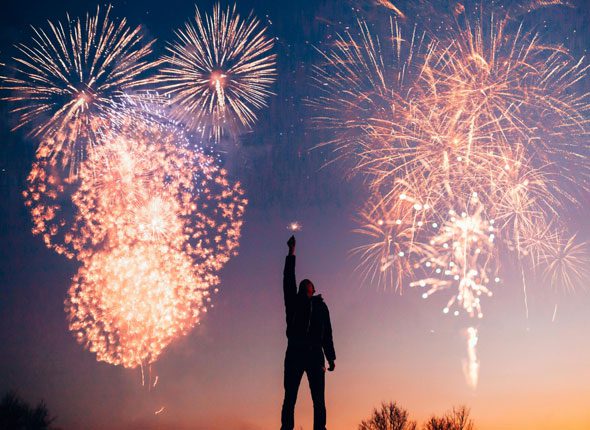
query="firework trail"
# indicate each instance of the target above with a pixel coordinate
(218, 72)
(389, 5)
(471, 364)
(63, 82)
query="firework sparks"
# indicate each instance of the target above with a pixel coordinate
(162, 200)
(461, 254)
(46, 199)
(128, 303)
(152, 226)
(218, 72)
(391, 229)
(389, 5)
(483, 130)
(63, 82)
(483, 77)
(151, 218)
(457, 117)
(131, 189)
(566, 263)
(360, 89)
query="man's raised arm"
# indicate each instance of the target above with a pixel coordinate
(289, 283)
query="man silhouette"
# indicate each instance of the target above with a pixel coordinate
(309, 335)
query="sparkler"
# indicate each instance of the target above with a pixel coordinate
(63, 82)
(218, 72)
(295, 226)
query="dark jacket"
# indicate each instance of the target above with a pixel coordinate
(308, 320)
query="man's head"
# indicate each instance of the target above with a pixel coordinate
(306, 287)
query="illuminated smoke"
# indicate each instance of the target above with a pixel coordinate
(471, 364)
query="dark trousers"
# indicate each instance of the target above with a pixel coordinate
(310, 361)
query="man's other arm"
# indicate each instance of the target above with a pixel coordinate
(328, 343)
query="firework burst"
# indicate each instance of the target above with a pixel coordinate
(152, 223)
(63, 82)
(390, 229)
(488, 111)
(565, 263)
(519, 95)
(472, 141)
(363, 85)
(119, 187)
(128, 303)
(219, 71)
(153, 226)
(130, 188)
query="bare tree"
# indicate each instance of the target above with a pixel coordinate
(391, 416)
(16, 414)
(436, 423)
(456, 419)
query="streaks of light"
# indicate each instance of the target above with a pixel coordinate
(63, 82)
(218, 72)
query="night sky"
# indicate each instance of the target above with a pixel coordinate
(227, 373)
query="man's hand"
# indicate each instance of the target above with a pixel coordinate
(291, 245)
(332, 366)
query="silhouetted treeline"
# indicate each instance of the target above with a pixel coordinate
(391, 416)
(16, 414)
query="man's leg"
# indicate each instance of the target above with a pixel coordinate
(293, 372)
(317, 382)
